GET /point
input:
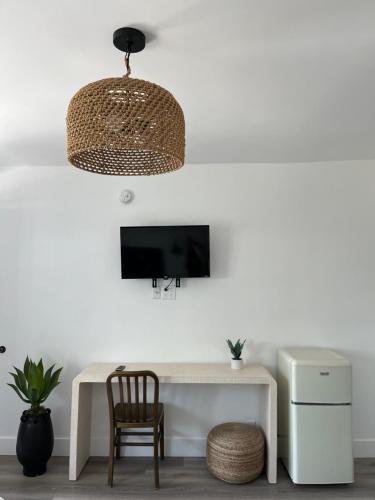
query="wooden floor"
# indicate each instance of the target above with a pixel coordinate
(185, 478)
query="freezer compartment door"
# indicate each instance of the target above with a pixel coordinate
(321, 439)
(321, 384)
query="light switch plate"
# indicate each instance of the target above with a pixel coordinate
(156, 292)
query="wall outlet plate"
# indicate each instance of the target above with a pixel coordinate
(170, 294)
(156, 292)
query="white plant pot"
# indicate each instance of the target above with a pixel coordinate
(236, 364)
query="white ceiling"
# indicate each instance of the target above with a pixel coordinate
(259, 80)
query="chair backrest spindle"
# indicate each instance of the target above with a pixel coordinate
(136, 388)
(121, 390)
(129, 392)
(144, 396)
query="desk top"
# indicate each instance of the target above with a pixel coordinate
(183, 373)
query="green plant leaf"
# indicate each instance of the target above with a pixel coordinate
(230, 345)
(18, 393)
(40, 366)
(21, 381)
(16, 381)
(35, 399)
(40, 374)
(33, 385)
(47, 381)
(15, 377)
(26, 367)
(49, 391)
(236, 349)
(35, 376)
(55, 376)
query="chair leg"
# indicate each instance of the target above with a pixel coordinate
(111, 456)
(162, 439)
(156, 457)
(118, 447)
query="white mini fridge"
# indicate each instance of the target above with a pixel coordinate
(315, 416)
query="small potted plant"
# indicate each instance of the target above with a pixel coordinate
(236, 350)
(35, 434)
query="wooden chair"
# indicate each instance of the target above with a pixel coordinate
(131, 412)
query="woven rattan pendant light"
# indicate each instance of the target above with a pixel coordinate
(125, 126)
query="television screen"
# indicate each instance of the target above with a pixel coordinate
(165, 252)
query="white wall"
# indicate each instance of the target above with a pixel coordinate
(293, 263)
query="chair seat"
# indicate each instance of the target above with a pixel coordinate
(127, 413)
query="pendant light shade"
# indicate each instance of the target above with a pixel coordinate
(125, 126)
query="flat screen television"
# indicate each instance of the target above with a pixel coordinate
(165, 252)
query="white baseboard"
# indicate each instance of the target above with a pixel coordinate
(364, 448)
(174, 447)
(8, 446)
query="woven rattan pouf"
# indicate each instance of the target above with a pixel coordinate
(235, 452)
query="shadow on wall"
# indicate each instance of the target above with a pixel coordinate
(220, 250)
(35, 151)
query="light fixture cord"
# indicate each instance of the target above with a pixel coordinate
(127, 64)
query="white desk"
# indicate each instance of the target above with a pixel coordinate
(170, 373)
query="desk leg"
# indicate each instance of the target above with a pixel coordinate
(268, 420)
(80, 428)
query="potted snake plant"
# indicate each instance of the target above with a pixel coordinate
(35, 434)
(236, 350)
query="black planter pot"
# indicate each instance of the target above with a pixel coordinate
(35, 442)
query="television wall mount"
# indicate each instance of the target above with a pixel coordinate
(155, 282)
